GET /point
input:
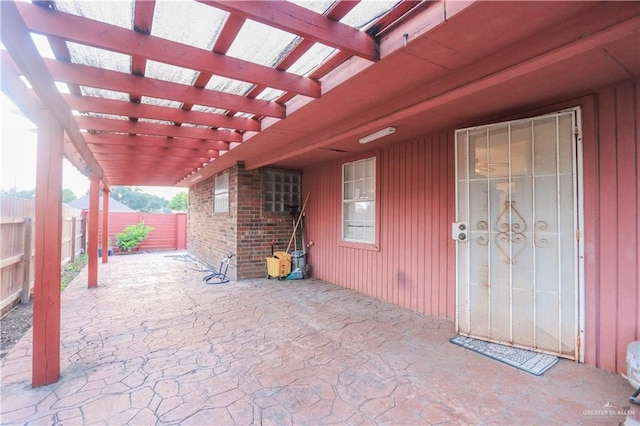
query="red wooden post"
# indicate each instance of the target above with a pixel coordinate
(94, 214)
(181, 231)
(105, 226)
(48, 229)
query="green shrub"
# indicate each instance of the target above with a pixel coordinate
(132, 236)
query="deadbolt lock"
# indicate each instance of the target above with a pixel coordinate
(459, 231)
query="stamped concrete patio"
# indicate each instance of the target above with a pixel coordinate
(154, 344)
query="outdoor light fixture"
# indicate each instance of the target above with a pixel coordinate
(377, 135)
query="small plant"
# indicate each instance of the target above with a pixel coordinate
(132, 236)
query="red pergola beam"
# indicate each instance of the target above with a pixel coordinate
(155, 112)
(126, 126)
(337, 12)
(144, 181)
(396, 13)
(59, 46)
(578, 39)
(153, 141)
(130, 180)
(296, 19)
(150, 166)
(143, 16)
(20, 47)
(159, 161)
(341, 8)
(149, 170)
(121, 82)
(139, 178)
(142, 22)
(146, 170)
(226, 37)
(117, 39)
(341, 56)
(160, 152)
(151, 180)
(61, 53)
(228, 34)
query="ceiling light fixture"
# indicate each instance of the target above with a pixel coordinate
(377, 135)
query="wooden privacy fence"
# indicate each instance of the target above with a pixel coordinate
(169, 230)
(16, 247)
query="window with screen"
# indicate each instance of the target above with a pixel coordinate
(359, 201)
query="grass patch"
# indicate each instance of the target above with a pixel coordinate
(72, 269)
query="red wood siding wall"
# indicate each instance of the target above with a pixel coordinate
(166, 229)
(415, 266)
(614, 164)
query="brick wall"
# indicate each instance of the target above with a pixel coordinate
(256, 229)
(246, 230)
(211, 236)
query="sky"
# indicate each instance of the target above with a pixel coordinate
(18, 142)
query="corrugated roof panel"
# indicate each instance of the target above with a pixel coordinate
(313, 58)
(227, 85)
(170, 73)
(367, 11)
(119, 13)
(102, 93)
(99, 58)
(320, 7)
(160, 102)
(202, 108)
(189, 23)
(100, 115)
(197, 126)
(270, 94)
(261, 44)
(149, 120)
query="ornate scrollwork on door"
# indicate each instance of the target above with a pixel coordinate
(483, 240)
(540, 225)
(510, 227)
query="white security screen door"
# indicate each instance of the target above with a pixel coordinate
(517, 213)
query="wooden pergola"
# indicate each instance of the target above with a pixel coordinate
(174, 109)
(123, 140)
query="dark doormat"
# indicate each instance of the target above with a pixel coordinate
(529, 361)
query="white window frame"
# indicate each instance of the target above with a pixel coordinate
(360, 196)
(221, 193)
